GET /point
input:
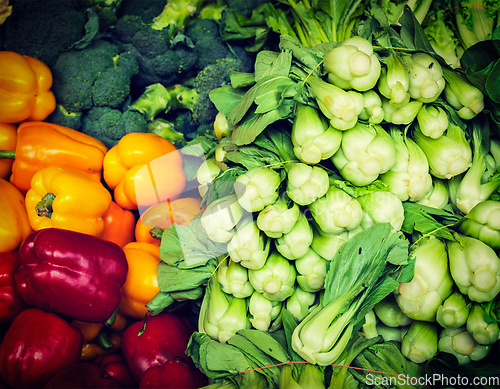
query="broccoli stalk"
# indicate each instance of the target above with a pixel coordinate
(157, 99)
(175, 14)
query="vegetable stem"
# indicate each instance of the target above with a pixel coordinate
(44, 206)
(7, 154)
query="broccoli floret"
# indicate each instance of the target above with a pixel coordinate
(208, 43)
(159, 62)
(145, 9)
(64, 118)
(125, 29)
(112, 86)
(97, 75)
(75, 72)
(110, 125)
(43, 29)
(213, 76)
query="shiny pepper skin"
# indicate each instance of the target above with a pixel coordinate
(37, 346)
(71, 274)
(25, 84)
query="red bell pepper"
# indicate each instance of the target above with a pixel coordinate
(10, 302)
(72, 274)
(174, 374)
(86, 375)
(37, 346)
(115, 366)
(165, 337)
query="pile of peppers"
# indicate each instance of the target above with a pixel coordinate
(78, 262)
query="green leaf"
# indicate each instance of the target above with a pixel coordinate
(289, 325)
(360, 261)
(188, 245)
(170, 246)
(191, 294)
(480, 55)
(420, 218)
(254, 123)
(272, 99)
(357, 191)
(282, 140)
(222, 185)
(222, 360)
(381, 289)
(252, 156)
(174, 279)
(412, 33)
(266, 86)
(269, 63)
(200, 146)
(226, 98)
(159, 302)
(492, 311)
(492, 84)
(308, 57)
(242, 80)
(91, 30)
(266, 343)
(256, 356)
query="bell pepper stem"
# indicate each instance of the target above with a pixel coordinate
(102, 340)
(7, 154)
(144, 326)
(156, 233)
(44, 206)
(112, 318)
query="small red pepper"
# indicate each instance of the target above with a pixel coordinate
(165, 337)
(174, 374)
(72, 274)
(37, 346)
(86, 375)
(116, 366)
(10, 302)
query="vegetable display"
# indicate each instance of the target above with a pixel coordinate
(264, 194)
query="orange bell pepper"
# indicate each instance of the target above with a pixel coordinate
(141, 284)
(8, 140)
(25, 84)
(40, 145)
(94, 337)
(67, 198)
(143, 169)
(89, 330)
(163, 215)
(110, 343)
(119, 225)
(14, 223)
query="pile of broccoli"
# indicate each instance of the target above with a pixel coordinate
(104, 55)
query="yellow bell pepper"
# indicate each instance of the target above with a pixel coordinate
(14, 223)
(143, 169)
(67, 198)
(141, 284)
(25, 84)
